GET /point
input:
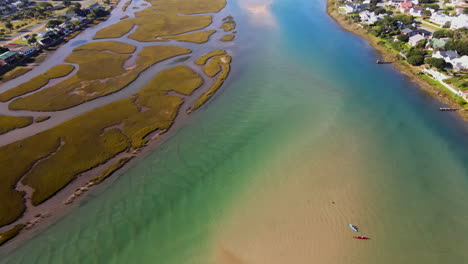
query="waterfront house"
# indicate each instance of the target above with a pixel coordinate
(370, 17)
(460, 64)
(26, 51)
(414, 40)
(95, 6)
(446, 55)
(8, 57)
(45, 42)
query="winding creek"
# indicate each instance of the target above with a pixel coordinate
(306, 136)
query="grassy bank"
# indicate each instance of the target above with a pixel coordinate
(413, 73)
(8, 123)
(92, 79)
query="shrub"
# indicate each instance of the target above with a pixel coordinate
(416, 60)
(403, 38)
(435, 62)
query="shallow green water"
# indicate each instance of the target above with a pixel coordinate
(302, 93)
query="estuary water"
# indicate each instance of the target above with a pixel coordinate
(307, 136)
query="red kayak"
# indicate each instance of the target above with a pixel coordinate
(360, 237)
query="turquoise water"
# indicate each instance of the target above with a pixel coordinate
(304, 108)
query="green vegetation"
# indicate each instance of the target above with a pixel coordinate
(69, 153)
(203, 59)
(228, 23)
(93, 80)
(212, 67)
(17, 71)
(110, 170)
(115, 30)
(8, 123)
(435, 62)
(224, 61)
(125, 6)
(460, 82)
(164, 18)
(37, 82)
(113, 46)
(195, 37)
(9, 234)
(228, 37)
(180, 79)
(41, 119)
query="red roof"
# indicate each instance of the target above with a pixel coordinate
(406, 4)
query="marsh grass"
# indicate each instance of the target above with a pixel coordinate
(224, 62)
(195, 37)
(37, 82)
(226, 38)
(11, 233)
(165, 18)
(41, 119)
(8, 123)
(101, 73)
(17, 71)
(89, 140)
(110, 170)
(203, 59)
(112, 46)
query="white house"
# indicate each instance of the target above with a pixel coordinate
(440, 18)
(370, 17)
(350, 7)
(416, 11)
(414, 40)
(460, 21)
(460, 64)
(447, 56)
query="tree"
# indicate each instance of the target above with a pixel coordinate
(380, 10)
(465, 10)
(446, 25)
(435, 62)
(416, 60)
(66, 3)
(9, 25)
(53, 23)
(443, 33)
(403, 38)
(461, 46)
(427, 13)
(44, 5)
(32, 41)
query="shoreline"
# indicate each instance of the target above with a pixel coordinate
(410, 72)
(37, 218)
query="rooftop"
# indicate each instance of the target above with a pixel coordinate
(7, 55)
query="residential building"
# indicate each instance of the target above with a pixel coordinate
(26, 51)
(408, 31)
(460, 64)
(8, 57)
(405, 7)
(437, 44)
(414, 40)
(370, 17)
(416, 11)
(440, 18)
(460, 21)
